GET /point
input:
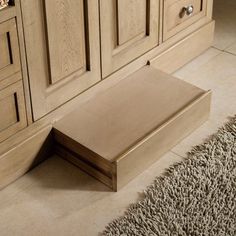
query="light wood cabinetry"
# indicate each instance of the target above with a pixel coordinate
(128, 30)
(180, 14)
(9, 60)
(53, 52)
(62, 50)
(12, 110)
(12, 101)
(120, 132)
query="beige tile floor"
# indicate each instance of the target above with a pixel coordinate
(224, 13)
(58, 199)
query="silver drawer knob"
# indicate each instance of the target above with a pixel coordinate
(3, 3)
(189, 10)
(186, 11)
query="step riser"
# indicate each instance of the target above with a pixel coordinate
(86, 167)
(84, 154)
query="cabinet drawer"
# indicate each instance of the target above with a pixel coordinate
(12, 110)
(139, 119)
(9, 48)
(180, 14)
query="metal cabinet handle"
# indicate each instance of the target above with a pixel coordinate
(188, 10)
(3, 3)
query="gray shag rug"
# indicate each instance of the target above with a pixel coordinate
(194, 197)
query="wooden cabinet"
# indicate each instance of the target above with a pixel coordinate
(53, 50)
(9, 49)
(180, 14)
(128, 30)
(12, 110)
(12, 101)
(62, 50)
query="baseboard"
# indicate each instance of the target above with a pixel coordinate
(24, 156)
(186, 50)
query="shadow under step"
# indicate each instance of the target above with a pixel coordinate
(120, 132)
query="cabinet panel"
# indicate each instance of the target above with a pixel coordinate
(4, 48)
(12, 110)
(133, 24)
(66, 38)
(128, 30)
(9, 57)
(180, 14)
(8, 112)
(62, 49)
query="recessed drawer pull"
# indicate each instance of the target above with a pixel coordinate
(186, 10)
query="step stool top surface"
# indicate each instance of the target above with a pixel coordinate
(116, 119)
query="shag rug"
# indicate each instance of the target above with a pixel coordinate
(196, 197)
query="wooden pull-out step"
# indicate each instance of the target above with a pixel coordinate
(120, 132)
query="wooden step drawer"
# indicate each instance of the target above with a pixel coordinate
(12, 110)
(9, 48)
(120, 132)
(180, 14)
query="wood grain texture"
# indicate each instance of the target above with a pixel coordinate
(24, 69)
(123, 28)
(114, 121)
(10, 80)
(172, 21)
(47, 96)
(8, 112)
(9, 59)
(173, 11)
(182, 53)
(25, 155)
(7, 14)
(132, 124)
(132, 19)
(32, 19)
(149, 150)
(88, 168)
(12, 110)
(5, 59)
(101, 87)
(91, 158)
(8, 146)
(66, 37)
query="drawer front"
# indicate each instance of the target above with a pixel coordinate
(12, 110)
(180, 14)
(9, 48)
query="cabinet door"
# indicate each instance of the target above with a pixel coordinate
(128, 30)
(62, 47)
